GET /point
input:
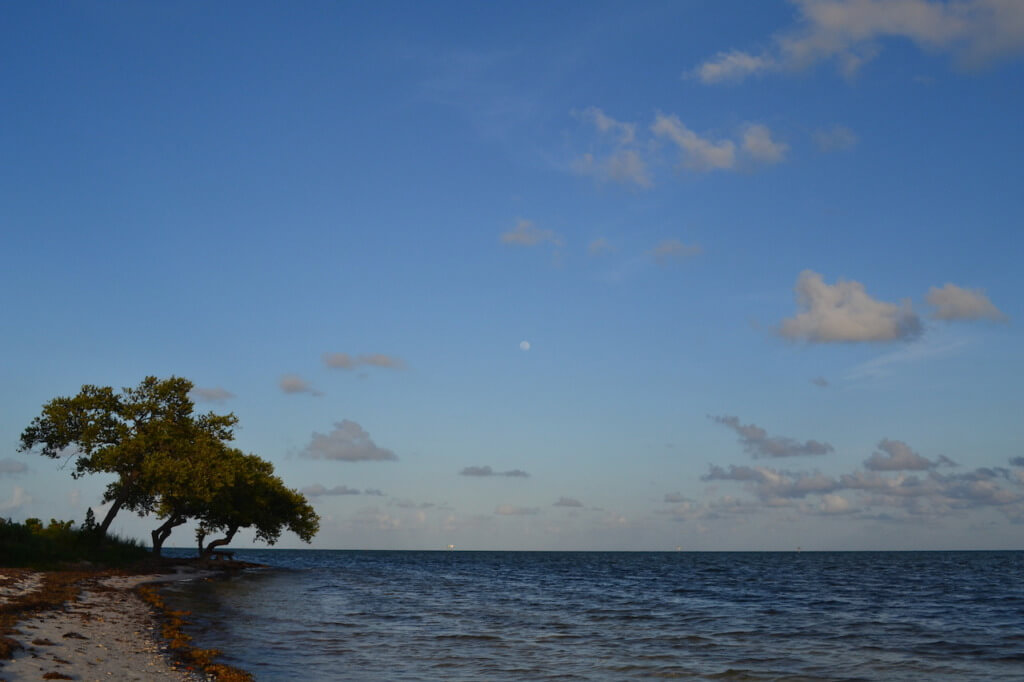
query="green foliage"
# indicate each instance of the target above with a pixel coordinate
(90, 521)
(168, 461)
(255, 498)
(122, 434)
(34, 545)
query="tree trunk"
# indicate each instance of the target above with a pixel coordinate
(164, 531)
(200, 538)
(109, 518)
(220, 542)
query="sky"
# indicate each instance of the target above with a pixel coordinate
(707, 274)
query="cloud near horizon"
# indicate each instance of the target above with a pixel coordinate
(757, 443)
(10, 466)
(512, 510)
(851, 32)
(567, 502)
(488, 471)
(348, 442)
(18, 499)
(317, 490)
(895, 455)
(844, 313)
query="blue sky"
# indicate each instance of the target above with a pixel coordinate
(764, 258)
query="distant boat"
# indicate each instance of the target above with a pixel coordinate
(450, 547)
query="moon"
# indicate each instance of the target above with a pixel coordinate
(524, 345)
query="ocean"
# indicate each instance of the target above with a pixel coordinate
(407, 615)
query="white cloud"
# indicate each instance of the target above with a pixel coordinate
(348, 442)
(834, 139)
(18, 499)
(851, 32)
(12, 466)
(525, 233)
(955, 303)
(844, 312)
(211, 395)
(673, 250)
(293, 383)
(697, 153)
(732, 66)
(759, 145)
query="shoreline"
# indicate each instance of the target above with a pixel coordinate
(100, 625)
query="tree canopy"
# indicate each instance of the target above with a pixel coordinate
(169, 461)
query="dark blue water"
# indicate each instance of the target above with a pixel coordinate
(333, 615)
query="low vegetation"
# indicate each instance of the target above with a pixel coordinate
(61, 544)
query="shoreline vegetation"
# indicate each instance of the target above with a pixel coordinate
(101, 623)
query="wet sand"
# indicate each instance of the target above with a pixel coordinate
(108, 633)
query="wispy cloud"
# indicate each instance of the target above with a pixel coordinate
(293, 383)
(512, 510)
(567, 502)
(955, 303)
(672, 250)
(317, 490)
(346, 361)
(348, 442)
(488, 471)
(757, 443)
(599, 246)
(12, 466)
(835, 139)
(525, 233)
(18, 499)
(211, 395)
(852, 32)
(618, 158)
(696, 152)
(924, 350)
(845, 313)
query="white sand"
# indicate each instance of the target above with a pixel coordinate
(105, 635)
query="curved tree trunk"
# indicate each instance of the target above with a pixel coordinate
(220, 542)
(164, 531)
(109, 518)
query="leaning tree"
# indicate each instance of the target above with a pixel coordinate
(259, 500)
(127, 434)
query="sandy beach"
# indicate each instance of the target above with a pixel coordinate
(108, 633)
